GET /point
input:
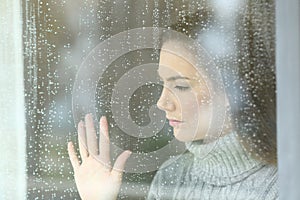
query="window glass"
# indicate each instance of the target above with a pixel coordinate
(152, 67)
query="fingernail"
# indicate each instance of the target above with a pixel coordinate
(103, 117)
(103, 121)
(80, 124)
(88, 116)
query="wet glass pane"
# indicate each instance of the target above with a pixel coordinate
(187, 86)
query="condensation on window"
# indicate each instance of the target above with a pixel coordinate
(102, 57)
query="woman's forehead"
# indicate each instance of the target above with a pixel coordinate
(175, 65)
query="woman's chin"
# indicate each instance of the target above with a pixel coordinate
(183, 136)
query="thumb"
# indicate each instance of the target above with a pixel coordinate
(120, 162)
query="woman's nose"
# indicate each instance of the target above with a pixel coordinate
(165, 101)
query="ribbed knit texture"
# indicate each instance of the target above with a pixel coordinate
(226, 171)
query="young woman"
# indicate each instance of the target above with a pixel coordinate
(241, 161)
(230, 170)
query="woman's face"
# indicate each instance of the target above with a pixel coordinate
(185, 97)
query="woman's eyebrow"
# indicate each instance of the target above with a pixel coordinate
(173, 78)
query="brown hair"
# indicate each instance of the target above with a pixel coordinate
(256, 117)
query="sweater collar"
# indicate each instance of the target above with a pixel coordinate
(222, 162)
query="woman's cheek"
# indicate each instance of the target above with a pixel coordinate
(190, 108)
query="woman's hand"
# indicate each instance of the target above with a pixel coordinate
(94, 176)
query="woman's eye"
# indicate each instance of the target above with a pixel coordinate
(181, 88)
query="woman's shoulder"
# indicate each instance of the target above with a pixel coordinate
(264, 183)
(271, 182)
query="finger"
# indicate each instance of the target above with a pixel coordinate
(82, 141)
(120, 163)
(104, 143)
(73, 156)
(91, 136)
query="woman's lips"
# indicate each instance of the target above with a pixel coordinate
(174, 123)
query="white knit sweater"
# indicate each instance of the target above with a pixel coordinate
(226, 172)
